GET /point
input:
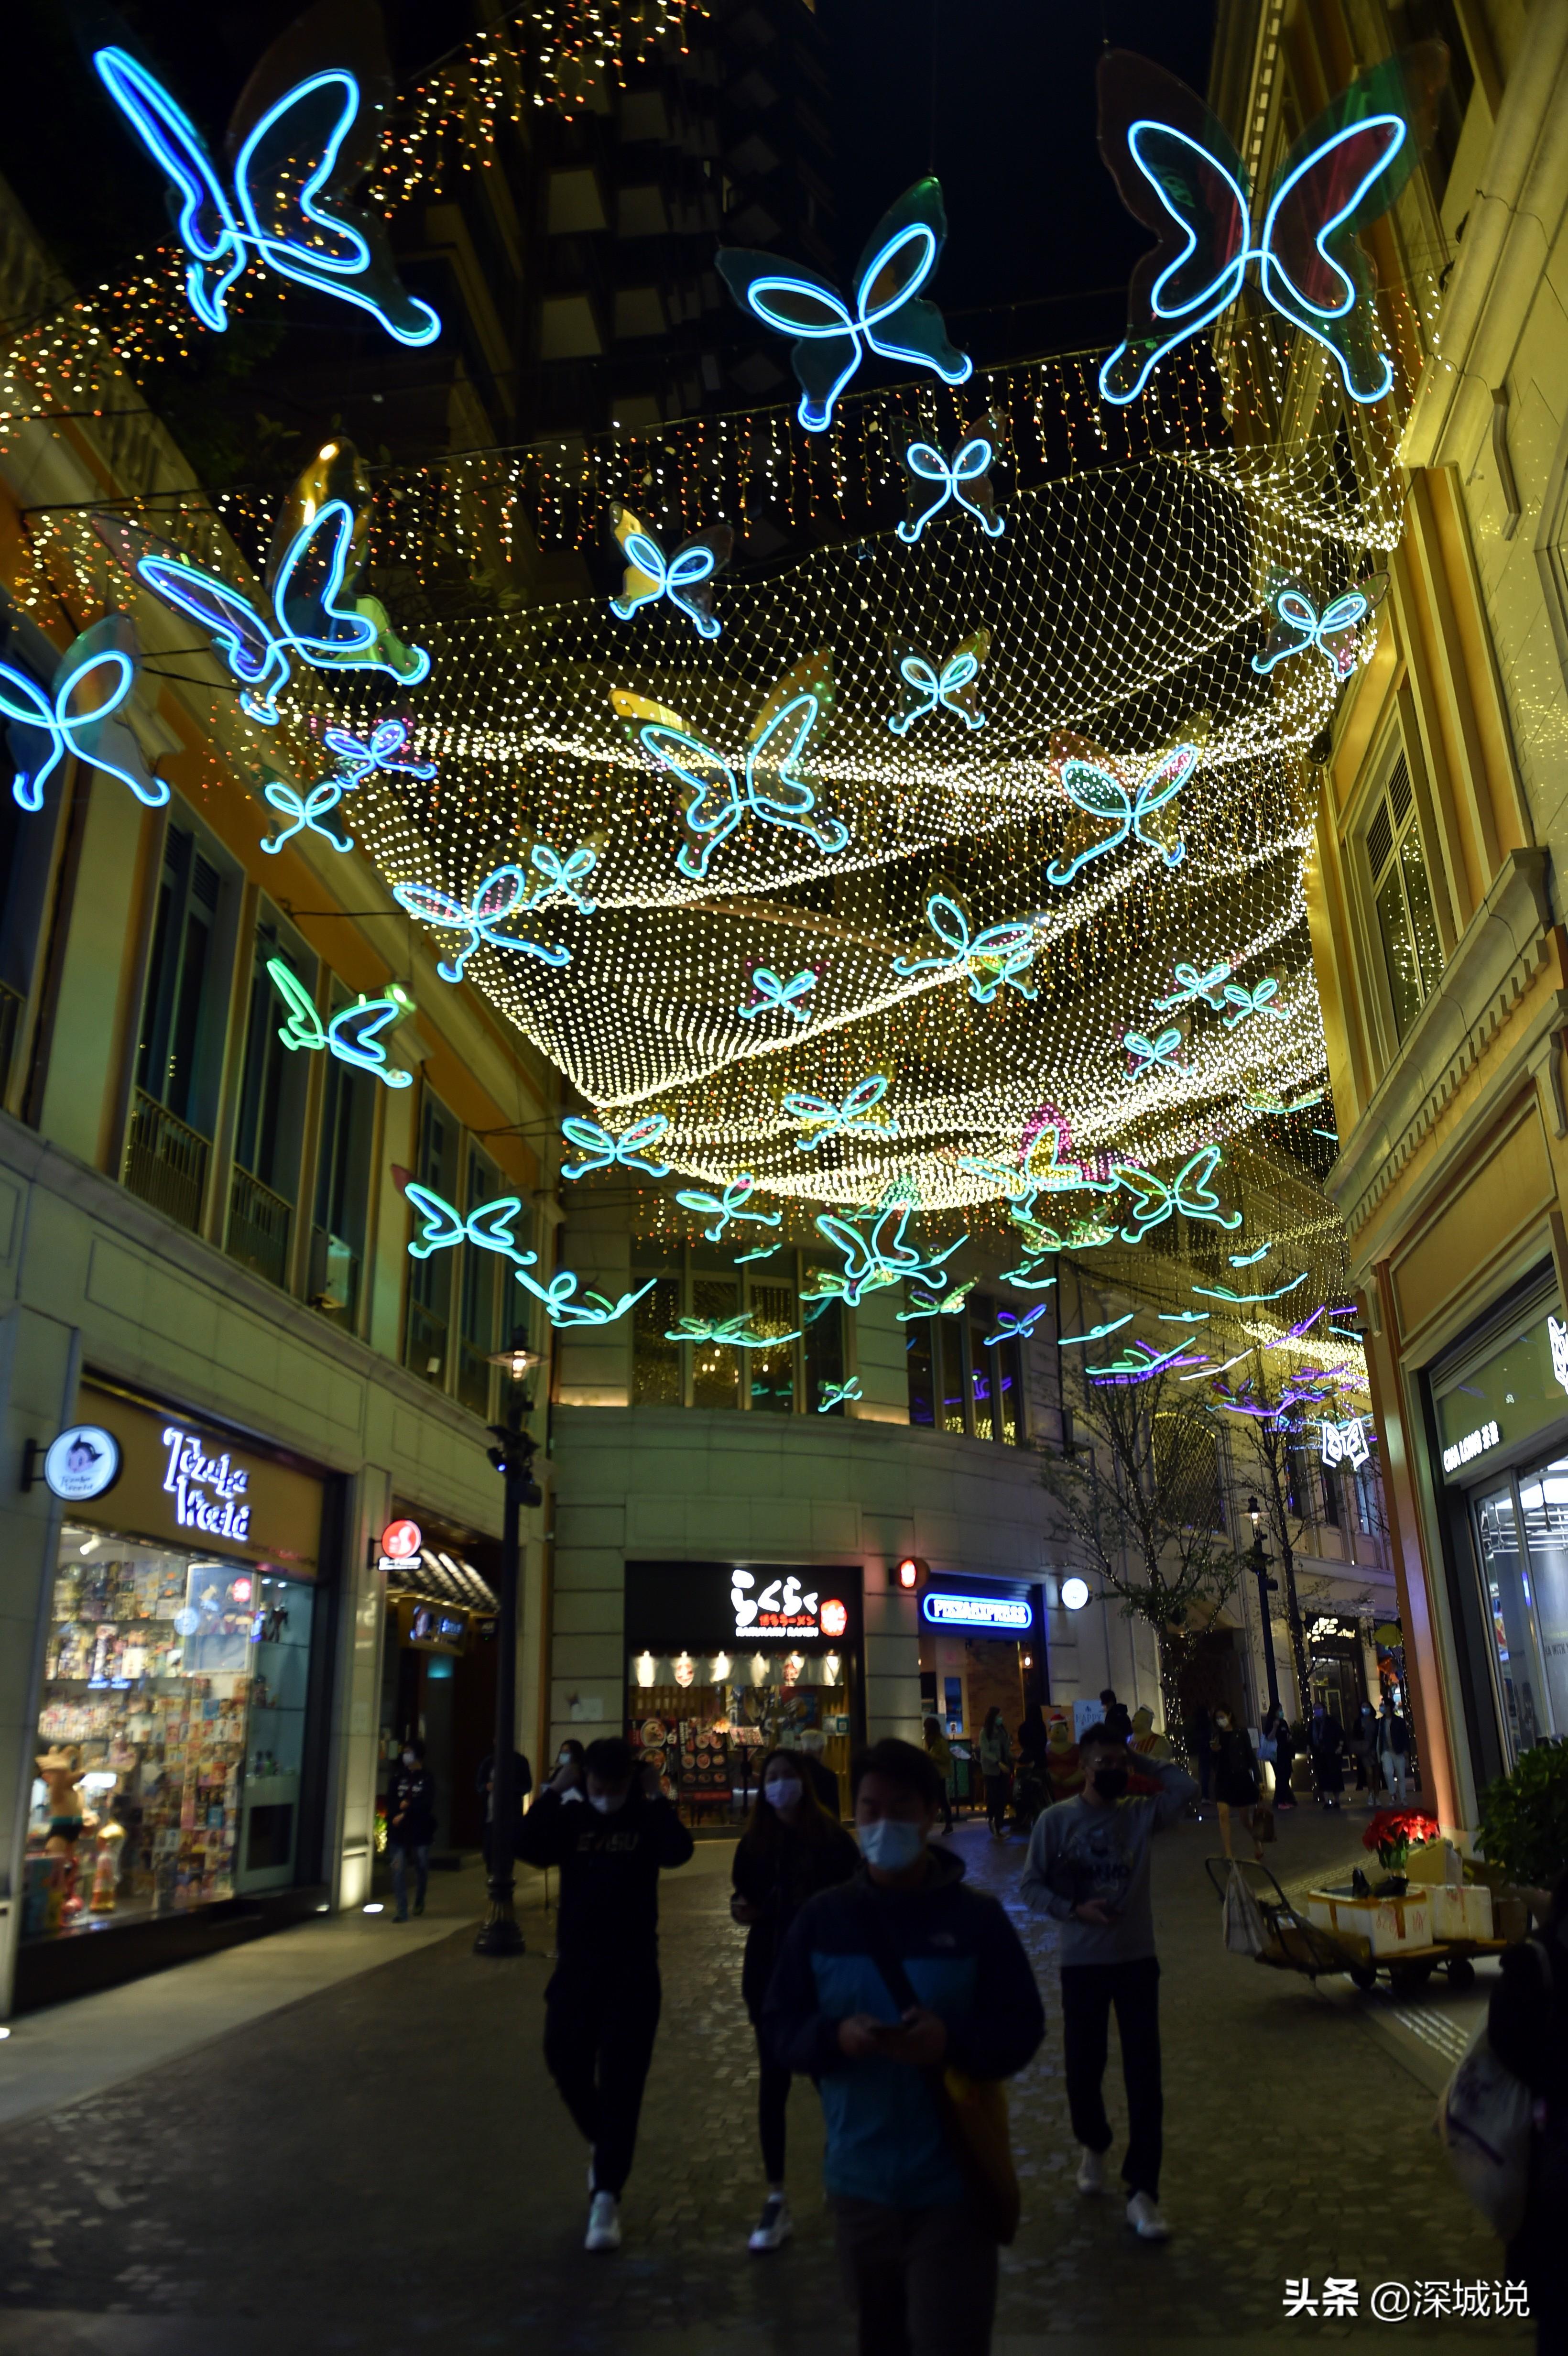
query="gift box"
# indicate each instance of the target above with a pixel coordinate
(1463, 1912)
(1391, 1924)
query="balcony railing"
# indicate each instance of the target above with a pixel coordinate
(258, 1224)
(333, 1286)
(165, 1161)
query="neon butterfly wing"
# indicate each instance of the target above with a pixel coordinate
(205, 219)
(712, 808)
(901, 254)
(645, 576)
(1162, 785)
(972, 485)
(1345, 171)
(442, 1227)
(360, 1027)
(1179, 173)
(1193, 1189)
(1295, 626)
(961, 676)
(693, 570)
(632, 1144)
(589, 1139)
(98, 734)
(303, 1027)
(797, 706)
(825, 349)
(489, 1225)
(300, 142)
(258, 660)
(920, 685)
(1153, 1201)
(307, 590)
(1101, 795)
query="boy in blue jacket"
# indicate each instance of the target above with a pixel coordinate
(919, 2264)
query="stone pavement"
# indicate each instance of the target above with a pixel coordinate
(383, 2165)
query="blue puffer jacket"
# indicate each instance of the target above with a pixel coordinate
(962, 1956)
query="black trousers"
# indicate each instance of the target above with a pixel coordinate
(922, 2282)
(772, 2100)
(599, 2032)
(998, 1789)
(1088, 1993)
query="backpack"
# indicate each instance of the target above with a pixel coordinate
(1485, 2118)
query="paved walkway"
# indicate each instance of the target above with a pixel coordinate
(382, 2165)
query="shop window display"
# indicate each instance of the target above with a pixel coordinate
(170, 1735)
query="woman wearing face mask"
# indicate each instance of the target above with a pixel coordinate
(790, 1850)
(1235, 1778)
(996, 1750)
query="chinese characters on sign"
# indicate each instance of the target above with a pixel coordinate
(1475, 1443)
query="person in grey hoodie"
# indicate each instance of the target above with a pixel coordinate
(1089, 1866)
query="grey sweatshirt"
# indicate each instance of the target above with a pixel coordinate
(1078, 1851)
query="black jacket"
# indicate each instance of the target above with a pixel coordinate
(610, 1867)
(410, 1792)
(1119, 1722)
(1235, 1767)
(779, 1880)
(522, 1784)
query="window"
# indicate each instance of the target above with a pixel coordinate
(958, 1382)
(1187, 1465)
(180, 1046)
(430, 1280)
(822, 1349)
(982, 1393)
(656, 1360)
(1401, 896)
(1330, 1497)
(342, 1186)
(1366, 1500)
(1426, 20)
(270, 1131)
(1300, 1488)
(771, 1373)
(803, 1353)
(481, 1275)
(918, 1366)
(715, 1366)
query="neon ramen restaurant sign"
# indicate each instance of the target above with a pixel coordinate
(183, 1484)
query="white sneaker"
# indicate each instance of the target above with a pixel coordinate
(776, 2224)
(603, 2223)
(1143, 2217)
(1091, 2170)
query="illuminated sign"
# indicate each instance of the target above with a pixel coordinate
(1000, 1612)
(834, 1617)
(83, 1462)
(780, 1608)
(207, 1489)
(401, 1542)
(1558, 1336)
(1475, 1443)
(1074, 1594)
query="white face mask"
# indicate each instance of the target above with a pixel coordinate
(890, 1844)
(565, 1759)
(606, 1801)
(783, 1790)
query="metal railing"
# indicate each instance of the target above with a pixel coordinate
(165, 1161)
(259, 1225)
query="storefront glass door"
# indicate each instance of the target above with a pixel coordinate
(1544, 1500)
(1510, 1583)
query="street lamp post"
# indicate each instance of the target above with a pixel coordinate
(513, 1457)
(1257, 1562)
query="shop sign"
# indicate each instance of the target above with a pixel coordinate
(401, 1542)
(82, 1464)
(207, 1489)
(780, 1606)
(1475, 1443)
(1009, 1614)
(1328, 1623)
(1346, 1443)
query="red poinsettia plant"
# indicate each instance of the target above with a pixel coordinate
(1394, 1831)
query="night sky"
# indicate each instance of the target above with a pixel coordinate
(1034, 218)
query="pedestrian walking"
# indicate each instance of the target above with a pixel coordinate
(939, 1750)
(411, 1826)
(1116, 1715)
(1089, 1867)
(522, 1784)
(996, 1751)
(1364, 1738)
(1280, 1737)
(1200, 1733)
(611, 1832)
(1325, 1745)
(1527, 2027)
(1394, 1749)
(790, 1850)
(880, 1985)
(1032, 1737)
(1235, 1779)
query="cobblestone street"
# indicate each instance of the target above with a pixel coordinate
(384, 2165)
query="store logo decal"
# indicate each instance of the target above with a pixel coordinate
(206, 1489)
(781, 1607)
(1475, 1443)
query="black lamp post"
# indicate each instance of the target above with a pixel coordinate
(1257, 1562)
(513, 1457)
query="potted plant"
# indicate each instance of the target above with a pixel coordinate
(1523, 1825)
(1393, 1833)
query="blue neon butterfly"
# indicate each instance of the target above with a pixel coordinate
(928, 685)
(562, 877)
(563, 1307)
(1002, 953)
(353, 1035)
(882, 1257)
(605, 1150)
(385, 749)
(311, 617)
(1094, 789)
(1243, 1002)
(775, 995)
(1189, 1192)
(502, 892)
(1180, 174)
(728, 1207)
(488, 1224)
(1190, 984)
(686, 578)
(770, 786)
(828, 341)
(362, 756)
(1011, 1327)
(307, 811)
(820, 1118)
(296, 164)
(1161, 1054)
(965, 476)
(1298, 624)
(55, 721)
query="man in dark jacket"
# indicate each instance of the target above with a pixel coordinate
(880, 1984)
(610, 1833)
(411, 1825)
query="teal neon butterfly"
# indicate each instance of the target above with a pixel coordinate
(1094, 789)
(1247, 1300)
(924, 1303)
(1189, 1192)
(1298, 624)
(606, 1151)
(881, 1255)
(1002, 953)
(776, 996)
(563, 1307)
(1140, 1362)
(839, 1394)
(93, 734)
(686, 579)
(1095, 1332)
(929, 686)
(1147, 1055)
(499, 894)
(562, 877)
(488, 1224)
(1260, 1001)
(821, 1119)
(964, 478)
(728, 1207)
(770, 785)
(353, 1035)
(1190, 984)
(731, 1333)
